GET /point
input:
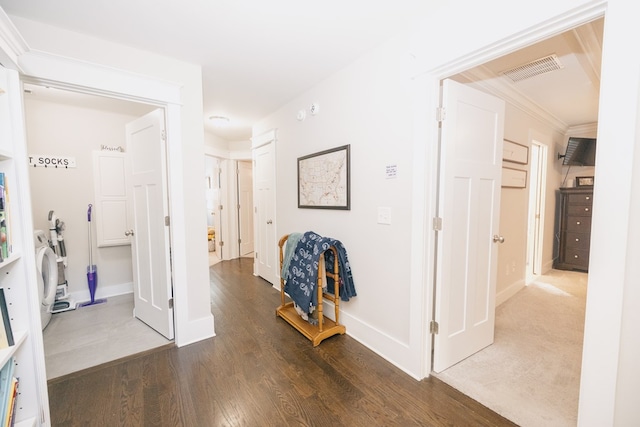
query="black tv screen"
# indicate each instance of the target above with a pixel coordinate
(580, 152)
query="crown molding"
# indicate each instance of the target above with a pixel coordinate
(12, 44)
(486, 80)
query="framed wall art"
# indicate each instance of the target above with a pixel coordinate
(324, 179)
(515, 153)
(514, 178)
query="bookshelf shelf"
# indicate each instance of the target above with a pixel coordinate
(12, 258)
(6, 353)
(31, 422)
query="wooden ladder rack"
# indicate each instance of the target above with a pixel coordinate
(326, 327)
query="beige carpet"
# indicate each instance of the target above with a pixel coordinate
(531, 374)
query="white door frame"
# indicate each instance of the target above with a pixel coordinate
(427, 84)
(64, 73)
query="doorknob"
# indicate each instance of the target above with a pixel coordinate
(497, 238)
(128, 233)
(269, 222)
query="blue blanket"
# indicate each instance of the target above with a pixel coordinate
(301, 279)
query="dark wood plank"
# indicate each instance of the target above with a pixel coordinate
(258, 371)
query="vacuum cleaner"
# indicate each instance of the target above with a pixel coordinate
(63, 301)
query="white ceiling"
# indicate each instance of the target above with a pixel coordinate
(256, 55)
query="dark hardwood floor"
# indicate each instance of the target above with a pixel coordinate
(258, 371)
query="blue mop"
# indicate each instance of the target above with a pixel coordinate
(92, 273)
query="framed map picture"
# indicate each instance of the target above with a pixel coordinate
(323, 179)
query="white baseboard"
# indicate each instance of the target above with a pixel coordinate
(510, 291)
(103, 292)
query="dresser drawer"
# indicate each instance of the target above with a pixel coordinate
(577, 240)
(579, 210)
(578, 224)
(578, 258)
(580, 199)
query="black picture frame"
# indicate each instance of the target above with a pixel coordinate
(324, 179)
(584, 181)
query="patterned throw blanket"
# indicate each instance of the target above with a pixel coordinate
(301, 279)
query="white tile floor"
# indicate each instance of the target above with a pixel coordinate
(92, 335)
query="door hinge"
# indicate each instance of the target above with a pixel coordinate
(221, 243)
(220, 207)
(239, 241)
(441, 114)
(163, 135)
(167, 221)
(437, 223)
(170, 303)
(433, 327)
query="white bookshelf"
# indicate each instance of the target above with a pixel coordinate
(18, 271)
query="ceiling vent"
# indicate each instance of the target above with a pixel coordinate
(534, 68)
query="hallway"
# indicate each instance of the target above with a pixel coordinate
(258, 370)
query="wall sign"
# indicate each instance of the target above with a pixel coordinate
(55, 162)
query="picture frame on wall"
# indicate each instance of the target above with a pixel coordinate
(514, 178)
(324, 179)
(514, 152)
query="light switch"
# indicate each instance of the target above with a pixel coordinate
(384, 215)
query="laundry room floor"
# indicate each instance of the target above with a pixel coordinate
(89, 336)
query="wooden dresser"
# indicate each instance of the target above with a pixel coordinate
(575, 228)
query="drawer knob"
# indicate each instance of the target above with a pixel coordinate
(586, 209)
(588, 197)
(577, 240)
(577, 222)
(575, 256)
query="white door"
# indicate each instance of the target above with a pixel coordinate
(150, 237)
(245, 207)
(469, 205)
(264, 168)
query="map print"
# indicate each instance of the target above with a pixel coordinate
(322, 180)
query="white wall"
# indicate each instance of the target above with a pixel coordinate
(366, 105)
(369, 105)
(74, 130)
(521, 127)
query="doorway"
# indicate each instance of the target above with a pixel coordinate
(213, 194)
(73, 125)
(535, 198)
(245, 208)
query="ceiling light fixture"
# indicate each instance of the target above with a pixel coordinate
(219, 121)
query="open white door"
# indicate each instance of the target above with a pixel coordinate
(264, 168)
(150, 236)
(469, 205)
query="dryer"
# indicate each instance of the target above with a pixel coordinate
(47, 275)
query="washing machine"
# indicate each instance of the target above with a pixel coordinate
(47, 275)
